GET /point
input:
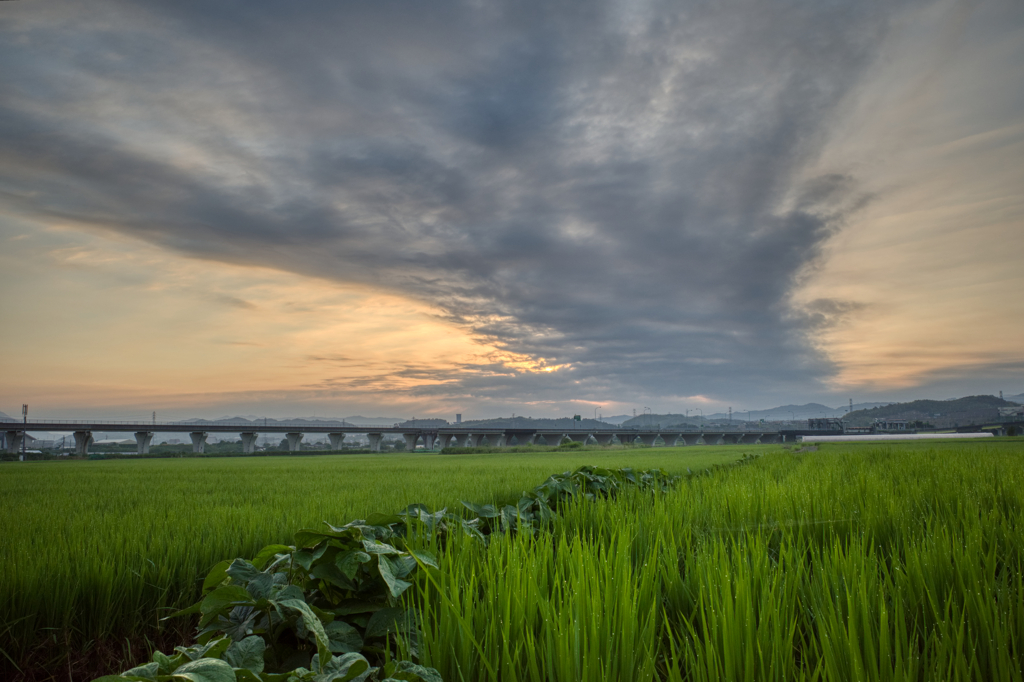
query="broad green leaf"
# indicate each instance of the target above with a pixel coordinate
(403, 565)
(116, 678)
(241, 571)
(246, 654)
(353, 606)
(343, 668)
(484, 511)
(303, 557)
(243, 675)
(221, 601)
(289, 592)
(269, 552)
(349, 562)
(332, 575)
(384, 622)
(314, 625)
(260, 586)
(205, 670)
(147, 670)
(378, 519)
(217, 575)
(374, 547)
(424, 557)
(212, 649)
(243, 620)
(389, 571)
(166, 663)
(411, 672)
(343, 637)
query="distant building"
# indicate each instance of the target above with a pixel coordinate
(826, 424)
(1015, 411)
(881, 425)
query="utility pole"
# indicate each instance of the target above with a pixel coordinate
(24, 433)
(730, 415)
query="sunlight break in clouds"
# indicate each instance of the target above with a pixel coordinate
(174, 331)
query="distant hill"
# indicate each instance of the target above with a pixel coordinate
(783, 413)
(975, 409)
(6, 418)
(1019, 399)
(530, 423)
(665, 421)
(791, 412)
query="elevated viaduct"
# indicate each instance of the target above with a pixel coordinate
(431, 437)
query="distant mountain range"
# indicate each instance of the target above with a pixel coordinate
(975, 409)
(953, 411)
(774, 414)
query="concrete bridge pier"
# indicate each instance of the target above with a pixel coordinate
(553, 438)
(294, 441)
(648, 439)
(522, 439)
(14, 439)
(581, 438)
(750, 438)
(198, 441)
(603, 438)
(626, 437)
(83, 439)
(428, 441)
(460, 440)
(336, 440)
(770, 438)
(249, 442)
(670, 438)
(444, 440)
(473, 440)
(375, 440)
(731, 438)
(142, 441)
(496, 440)
(713, 438)
(410, 440)
(688, 439)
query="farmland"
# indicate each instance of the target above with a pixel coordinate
(92, 550)
(850, 562)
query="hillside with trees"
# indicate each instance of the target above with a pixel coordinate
(975, 409)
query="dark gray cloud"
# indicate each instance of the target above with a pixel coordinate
(619, 186)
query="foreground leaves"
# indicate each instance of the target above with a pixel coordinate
(314, 611)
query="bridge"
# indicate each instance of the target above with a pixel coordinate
(431, 437)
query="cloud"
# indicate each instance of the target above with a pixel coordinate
(620, 189)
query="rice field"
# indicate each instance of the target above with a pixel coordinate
(900, 561)
(94, 551)
(868, 562)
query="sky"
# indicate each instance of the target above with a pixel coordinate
(332, 208)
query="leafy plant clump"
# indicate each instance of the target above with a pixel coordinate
(320, 610)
